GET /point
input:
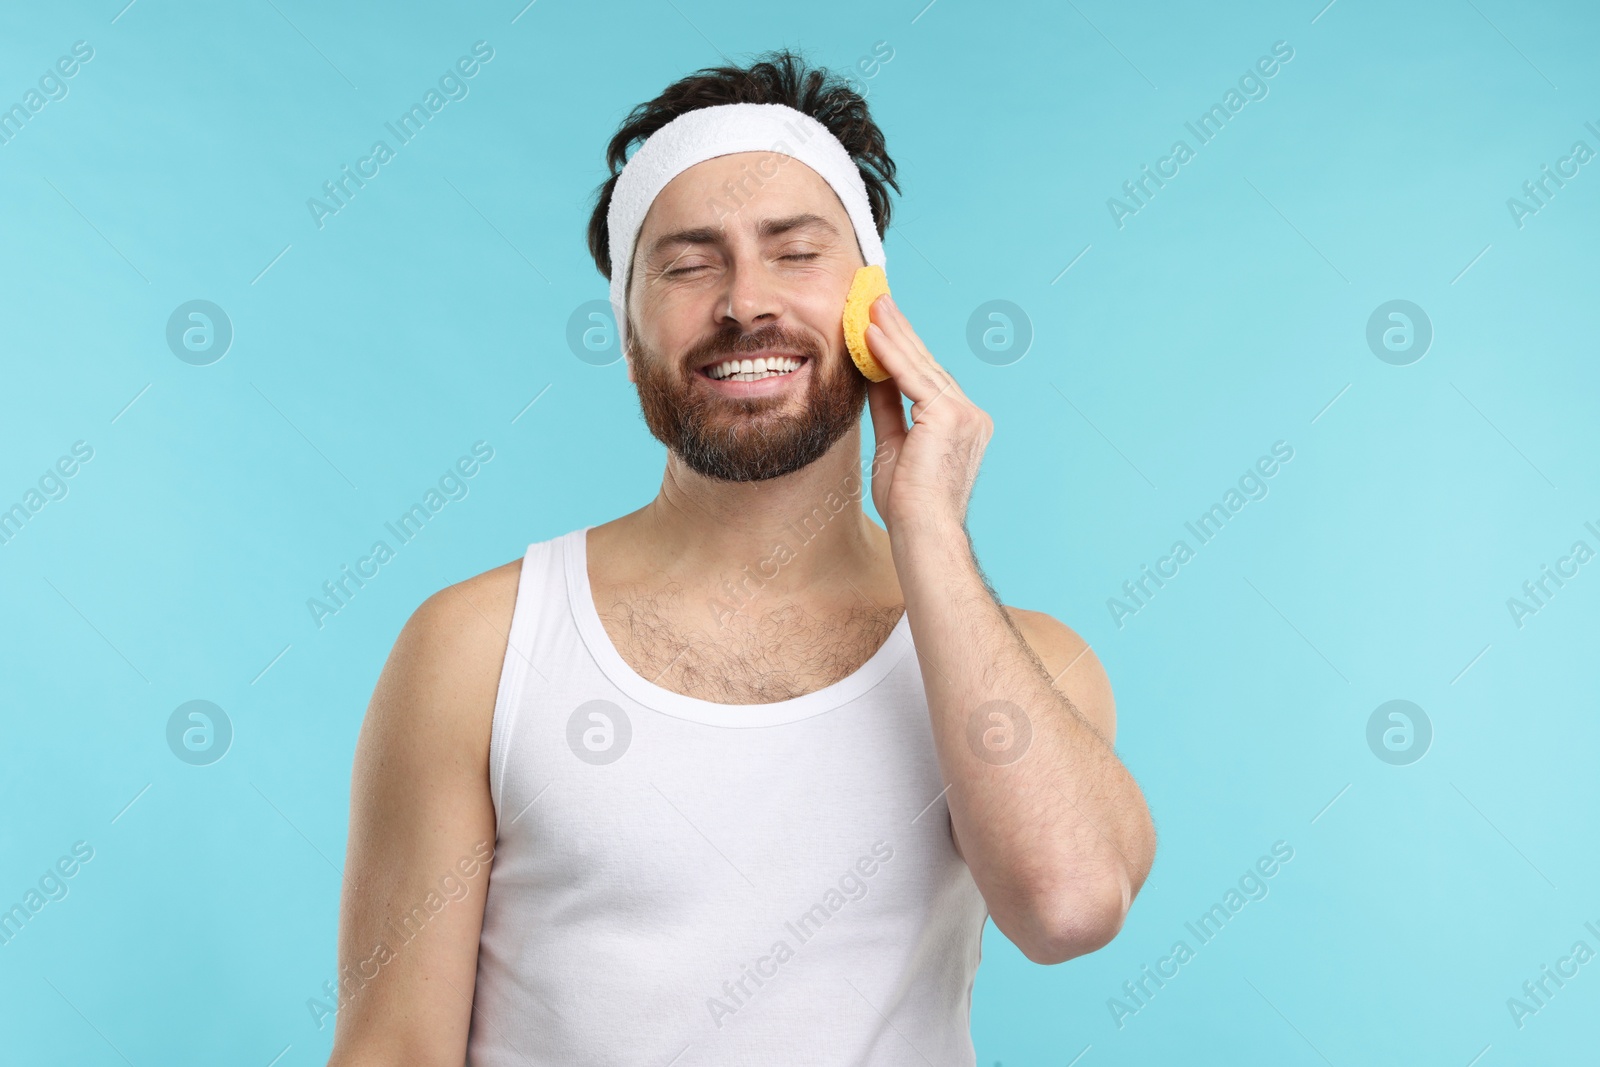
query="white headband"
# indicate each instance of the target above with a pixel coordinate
(705, 133)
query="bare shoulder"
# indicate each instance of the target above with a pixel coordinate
(470, 613)
(1072, 664)
(445, 664)
(419, 803)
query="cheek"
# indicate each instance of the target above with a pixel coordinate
(679, 315)
(820, 311)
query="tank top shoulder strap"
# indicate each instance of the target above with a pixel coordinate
(541, 589)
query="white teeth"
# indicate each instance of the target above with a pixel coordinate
(746, 370)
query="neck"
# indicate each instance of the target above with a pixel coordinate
(800, 537)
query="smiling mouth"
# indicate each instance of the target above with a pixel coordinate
(753, 370)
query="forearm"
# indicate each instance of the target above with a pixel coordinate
(1052, 825)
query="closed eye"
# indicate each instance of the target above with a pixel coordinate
(676, 271)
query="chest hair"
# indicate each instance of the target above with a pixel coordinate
(760, 655)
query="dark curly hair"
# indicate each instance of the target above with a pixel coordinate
(780, 77)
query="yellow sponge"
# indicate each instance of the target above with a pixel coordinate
(868, 284)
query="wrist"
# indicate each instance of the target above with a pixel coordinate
(930, 529)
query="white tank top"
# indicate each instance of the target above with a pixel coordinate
(685, 883)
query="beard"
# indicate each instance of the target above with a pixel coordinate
(746, 439)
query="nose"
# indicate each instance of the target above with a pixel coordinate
(752, 298)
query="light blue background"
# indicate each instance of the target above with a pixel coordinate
(1228, 314)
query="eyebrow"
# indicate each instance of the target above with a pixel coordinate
(705, 235)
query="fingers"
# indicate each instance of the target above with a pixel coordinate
(895, 347)
(901, 352)
(897, 319)
(888, 416)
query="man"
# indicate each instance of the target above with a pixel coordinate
(735, 778)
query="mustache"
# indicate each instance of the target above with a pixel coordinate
(735, 342)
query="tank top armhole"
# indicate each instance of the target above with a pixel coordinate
(513, 673)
